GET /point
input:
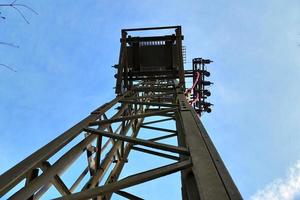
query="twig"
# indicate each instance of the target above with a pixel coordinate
(9, 44)
(8, 67)
(16, 6)
(2, 17)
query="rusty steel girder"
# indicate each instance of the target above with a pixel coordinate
(149, 91)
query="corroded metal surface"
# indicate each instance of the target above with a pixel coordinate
(150, 89)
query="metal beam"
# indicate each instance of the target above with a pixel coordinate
(155, 153)
(128, 195)
(157, 121)
(30, 177)
(116, 171)
(129, 181)
(203, 174)
(59, 166)
(107, 161)
(152, 89)
(213, 181)
(150, 28)
(150, 103)
(120, 119)
(121, 64)
(79, 179)
(163, 137)
(131, 40)
(159, 129)
(56, 181)
(147, 143)
(150, 96)
(11, 177)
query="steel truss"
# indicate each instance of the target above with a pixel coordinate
(108, 141)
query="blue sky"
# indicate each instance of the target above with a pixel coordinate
(64, 71)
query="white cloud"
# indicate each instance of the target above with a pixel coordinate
(287, 188)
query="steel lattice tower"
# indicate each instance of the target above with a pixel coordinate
(150, 89)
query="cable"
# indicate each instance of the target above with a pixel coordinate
(194, 85)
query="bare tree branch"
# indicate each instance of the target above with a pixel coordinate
(2, 17)
(28, 8)
(9, 44)
(8, 67)
(16, 7)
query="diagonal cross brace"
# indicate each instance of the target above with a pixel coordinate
(130, 181)
(165, 147)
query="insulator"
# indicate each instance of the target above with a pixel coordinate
(205, 73)
(206, 104)
(206, 61)
(116, 75)
(115, 66)
(206, 83)
(197, 59)
(208, 110)
(206, 93)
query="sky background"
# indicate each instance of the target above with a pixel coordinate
(64, 72)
